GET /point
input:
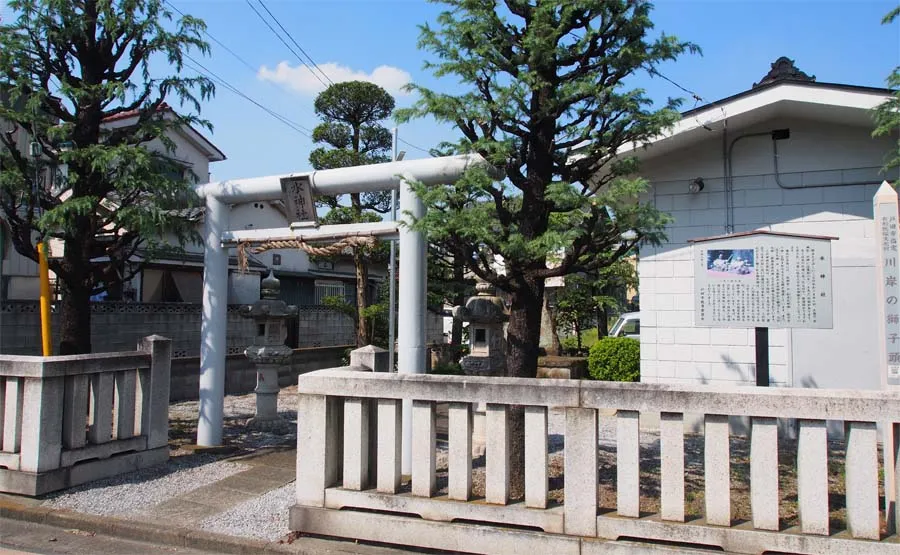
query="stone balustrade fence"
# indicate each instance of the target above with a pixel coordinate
(66, 420)
(349, 479)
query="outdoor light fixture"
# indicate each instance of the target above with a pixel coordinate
(696, 185)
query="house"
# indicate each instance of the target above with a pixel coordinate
(192, 151)
(790, 154)
(179, 277)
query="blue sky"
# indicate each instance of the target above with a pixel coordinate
(837, 41)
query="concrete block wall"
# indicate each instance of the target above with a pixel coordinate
(119, 326)
(323, 327)
(240, 374)
(672, 349)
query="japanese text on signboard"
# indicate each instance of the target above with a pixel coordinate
(763, 282)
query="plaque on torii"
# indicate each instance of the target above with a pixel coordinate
(298, 199)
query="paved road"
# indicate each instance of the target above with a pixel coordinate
(18, 537)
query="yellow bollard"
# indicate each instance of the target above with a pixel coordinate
(44, 273)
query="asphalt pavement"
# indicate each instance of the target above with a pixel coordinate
(17, 536)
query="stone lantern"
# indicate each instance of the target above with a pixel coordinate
(486, 316)
(268, 351)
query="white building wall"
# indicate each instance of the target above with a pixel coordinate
(672, 349)
(262, 215)
(185, 152)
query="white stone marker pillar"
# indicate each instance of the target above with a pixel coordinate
(887, 290)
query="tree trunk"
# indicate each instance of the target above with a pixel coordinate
(524, 330)
(549, 332)
(523, 335)
(363, 335)
(602, 322)
(75, 321)
(458, 300)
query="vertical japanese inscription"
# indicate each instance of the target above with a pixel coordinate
(889, 276)
(297, 194)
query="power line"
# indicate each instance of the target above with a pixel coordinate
(407, 143)
(284, 42)
(311, 61)
(695, 96)
(292, 124)
(217, 41)
(286, 32)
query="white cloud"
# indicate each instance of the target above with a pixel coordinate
(301, 79)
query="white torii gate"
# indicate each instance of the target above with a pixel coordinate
(297, 190)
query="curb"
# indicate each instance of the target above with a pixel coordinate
(174, 536)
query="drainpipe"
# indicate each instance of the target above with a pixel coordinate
(775, 140)
(778, 135)
(392, 275)
(726, 184)
(729, 178)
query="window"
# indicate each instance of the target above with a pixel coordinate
(328, 289)
(480, 336)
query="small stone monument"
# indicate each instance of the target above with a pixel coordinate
(486, 316)
(268, 351)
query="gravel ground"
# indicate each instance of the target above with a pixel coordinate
(238, 409)
(263, 518)
(133, 493)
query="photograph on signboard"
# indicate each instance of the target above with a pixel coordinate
(730, 263)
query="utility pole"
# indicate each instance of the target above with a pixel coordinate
(392, 277)
(392, 268)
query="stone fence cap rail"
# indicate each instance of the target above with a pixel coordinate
(23, 366)
(71, 365)
(814, 404)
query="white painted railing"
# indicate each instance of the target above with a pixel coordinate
(349, 458)
(65, 420)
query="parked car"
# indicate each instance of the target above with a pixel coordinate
(628, 325)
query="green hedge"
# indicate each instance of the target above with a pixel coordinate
(615, 359)
(447, 369)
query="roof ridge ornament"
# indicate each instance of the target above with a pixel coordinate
(783, 69)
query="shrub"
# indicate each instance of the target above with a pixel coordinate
(615, 359)
(447, 369)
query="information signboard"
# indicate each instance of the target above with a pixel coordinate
(763, 279)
